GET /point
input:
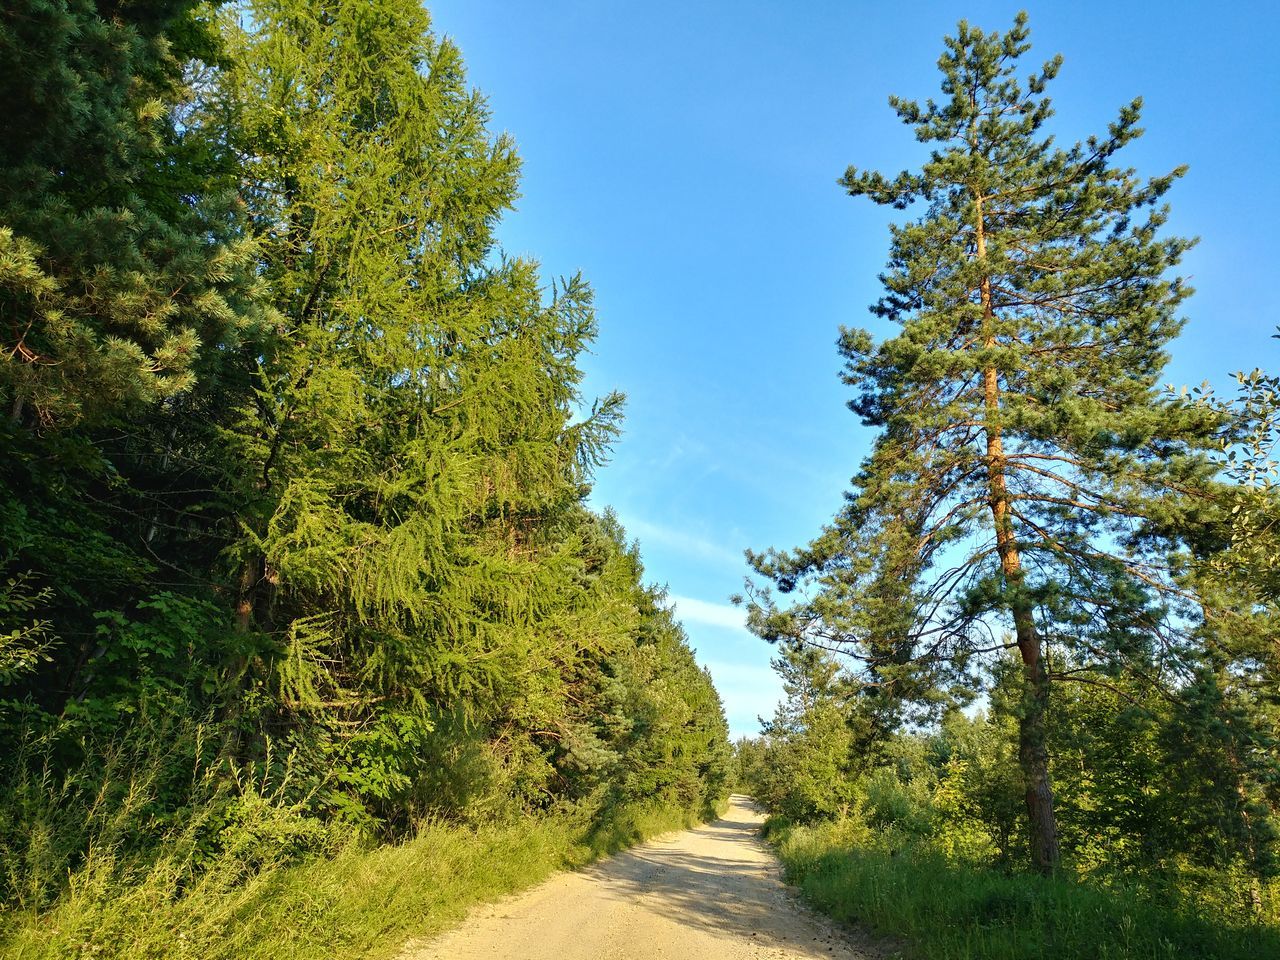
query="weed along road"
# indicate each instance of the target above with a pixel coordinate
(712, 893)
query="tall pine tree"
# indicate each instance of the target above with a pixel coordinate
(1028, 475)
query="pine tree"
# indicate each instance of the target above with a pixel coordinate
(119, 259)
(809, 740)
(1029, 475)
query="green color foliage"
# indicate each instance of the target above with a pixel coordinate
(1154, 824)
(1032, 488)
(804, 771)
(296, 556)
(1253, 559)
(410, 465)
(937, 908)
(118, 255)
(1075, 335)
(356, 903)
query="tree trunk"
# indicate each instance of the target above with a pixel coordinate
(247, 599)
(1033, 753)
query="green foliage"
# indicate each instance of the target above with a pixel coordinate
(944, 909)
(1157, 791)
(409, 461)
(804, 770)
(292, 489)
(359, 902)
(1155, 841)
(749, 764)
(1031, 488)
(1253, 558)
(110, 284)
(1161, 833)
(26, 639)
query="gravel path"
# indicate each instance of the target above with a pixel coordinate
(712, 893)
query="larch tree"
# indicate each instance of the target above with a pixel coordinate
(412, 450)
(1030, 475)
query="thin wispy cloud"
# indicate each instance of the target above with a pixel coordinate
(681, 541)
(692, 610)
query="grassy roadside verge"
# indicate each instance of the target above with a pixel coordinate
(360, 903)
(948, 911)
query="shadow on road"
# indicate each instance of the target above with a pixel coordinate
(711, 893)
(718, 878)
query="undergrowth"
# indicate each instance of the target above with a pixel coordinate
(946, 909)
(357, 902)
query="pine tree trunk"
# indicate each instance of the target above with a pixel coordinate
(1033, 753)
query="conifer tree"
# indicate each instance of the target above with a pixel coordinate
(1029, 477)
(118, 255)
(808, 741)
(411, 452)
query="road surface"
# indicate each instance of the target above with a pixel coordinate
(711, 893)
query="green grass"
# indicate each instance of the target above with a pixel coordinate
(947, 911)
(360, 903)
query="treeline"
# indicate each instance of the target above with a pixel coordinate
(293, 543)
(1040, 634)
(1148, 796)
(919, 831)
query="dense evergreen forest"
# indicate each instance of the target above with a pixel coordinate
(1040, 635)
(292, 497)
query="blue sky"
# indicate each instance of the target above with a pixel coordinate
(683, 156)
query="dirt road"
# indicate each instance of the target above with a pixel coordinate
(712, 893)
